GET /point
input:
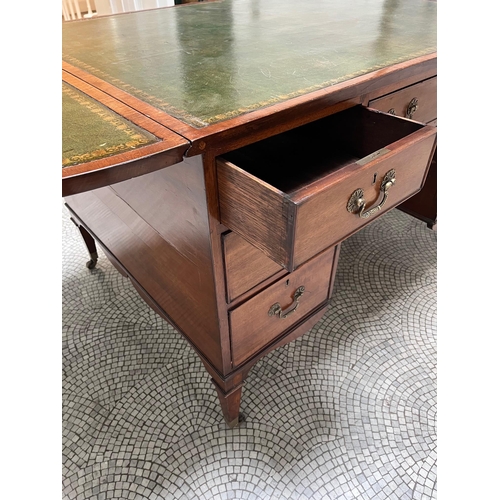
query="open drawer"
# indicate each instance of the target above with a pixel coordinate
(301, 191)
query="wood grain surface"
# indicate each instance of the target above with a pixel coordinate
(287, 195)
(426, 94)
(246, 266)
(169, 256)
(252, 327)
(256, 211)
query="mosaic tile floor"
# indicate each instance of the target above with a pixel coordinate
(348, 411)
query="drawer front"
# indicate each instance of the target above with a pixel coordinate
(246, 266)
(288, 195)
(254, 325)
(324, 219)
(423, 95)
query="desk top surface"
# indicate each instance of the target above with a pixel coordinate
(92, 131)
(208, 62)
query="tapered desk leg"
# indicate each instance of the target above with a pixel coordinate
(230, 404)
(90, 244)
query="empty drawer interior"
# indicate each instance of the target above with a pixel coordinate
(292, 160)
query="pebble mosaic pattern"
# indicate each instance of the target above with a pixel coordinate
(348, 411)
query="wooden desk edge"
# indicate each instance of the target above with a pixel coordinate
(179, 139)
(256, 125)
(101, 172)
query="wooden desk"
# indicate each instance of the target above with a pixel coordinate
(220, 152)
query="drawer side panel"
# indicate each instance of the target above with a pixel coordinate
(256, 211)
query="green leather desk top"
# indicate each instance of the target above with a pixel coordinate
(92, 131)
(208, 62)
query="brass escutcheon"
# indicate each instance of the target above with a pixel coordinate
(357, 203)
(275, 309)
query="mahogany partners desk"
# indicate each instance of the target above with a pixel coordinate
(220, 152)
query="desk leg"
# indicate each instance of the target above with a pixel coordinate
(230, 404)
(90, 244)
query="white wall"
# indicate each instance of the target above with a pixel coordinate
(83, 5)
(106, 7)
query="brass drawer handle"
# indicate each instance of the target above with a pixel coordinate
(276, 308)
(412, 107)
(357, 203)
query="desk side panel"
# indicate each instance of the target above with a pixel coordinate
(156, 227)
(423, 205)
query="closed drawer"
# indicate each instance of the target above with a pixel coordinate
(289, 195)
(259, 321)
(246, 266)
(417, 102)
